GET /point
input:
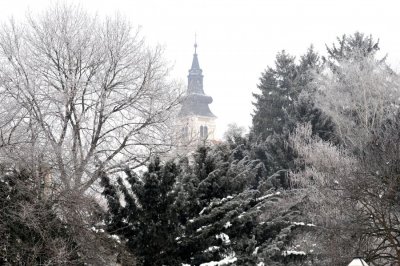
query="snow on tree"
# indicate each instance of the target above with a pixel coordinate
(352, 187)
(141, 212)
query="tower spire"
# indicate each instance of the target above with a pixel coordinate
(195, 43)
(195, 62)
(196, 102)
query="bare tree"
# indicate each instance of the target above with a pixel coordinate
(353, 189)
(326, 170)
(359, 96)
(82, 95)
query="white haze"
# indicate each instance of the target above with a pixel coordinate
(238, 39)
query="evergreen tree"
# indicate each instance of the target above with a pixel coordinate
(140, 212)
(287, 95)
(229, 222)
(287, 98)
(355, 46)
(215, 206)
(305, 109)
(278, 93)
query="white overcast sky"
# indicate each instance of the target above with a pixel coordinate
(238, 39)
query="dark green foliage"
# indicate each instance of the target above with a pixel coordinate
(322, 125)
(234, 209)
(278, 157)
(286, 99)
(278, 93)
(305, 109)
(143, 214)
(181, 213)
(31, 233)
(253, 236)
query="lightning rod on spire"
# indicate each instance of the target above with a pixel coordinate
(195, 43)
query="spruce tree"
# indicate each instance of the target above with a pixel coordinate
(278, 93)
(306, 111)
(286, 99)
(241, 216)
(140, 212)
(352, 47)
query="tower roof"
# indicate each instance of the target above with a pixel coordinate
(195, 62)
(196, 101)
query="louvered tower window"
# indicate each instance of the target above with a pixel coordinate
(203, 132)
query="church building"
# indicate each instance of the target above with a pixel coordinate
(197, 122)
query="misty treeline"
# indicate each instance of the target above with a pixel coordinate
(86, 103)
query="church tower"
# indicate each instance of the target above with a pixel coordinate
(197, 122)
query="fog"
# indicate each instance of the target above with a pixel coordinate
(238, 39)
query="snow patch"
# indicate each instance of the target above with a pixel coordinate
(202, 211)
(255, 251)
(224, 237)
(215, 203)
(94, 229)
(268, 196)
(202, 228)
(227, 224)
(116, 238)
(225, 199)
(225, 261)
(211, 249)
(303, 224)
(293, 252)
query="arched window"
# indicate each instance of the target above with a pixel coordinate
(201, 132)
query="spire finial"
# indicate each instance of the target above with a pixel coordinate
(195, 43)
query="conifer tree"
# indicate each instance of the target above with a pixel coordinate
(278, 92)
(287, 98)
(141, 213)
(305, 109)
(353, 47)
(228, 223)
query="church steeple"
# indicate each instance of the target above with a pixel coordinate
(195, 43)
(195, 62)
(197, 123)
(196, 102)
